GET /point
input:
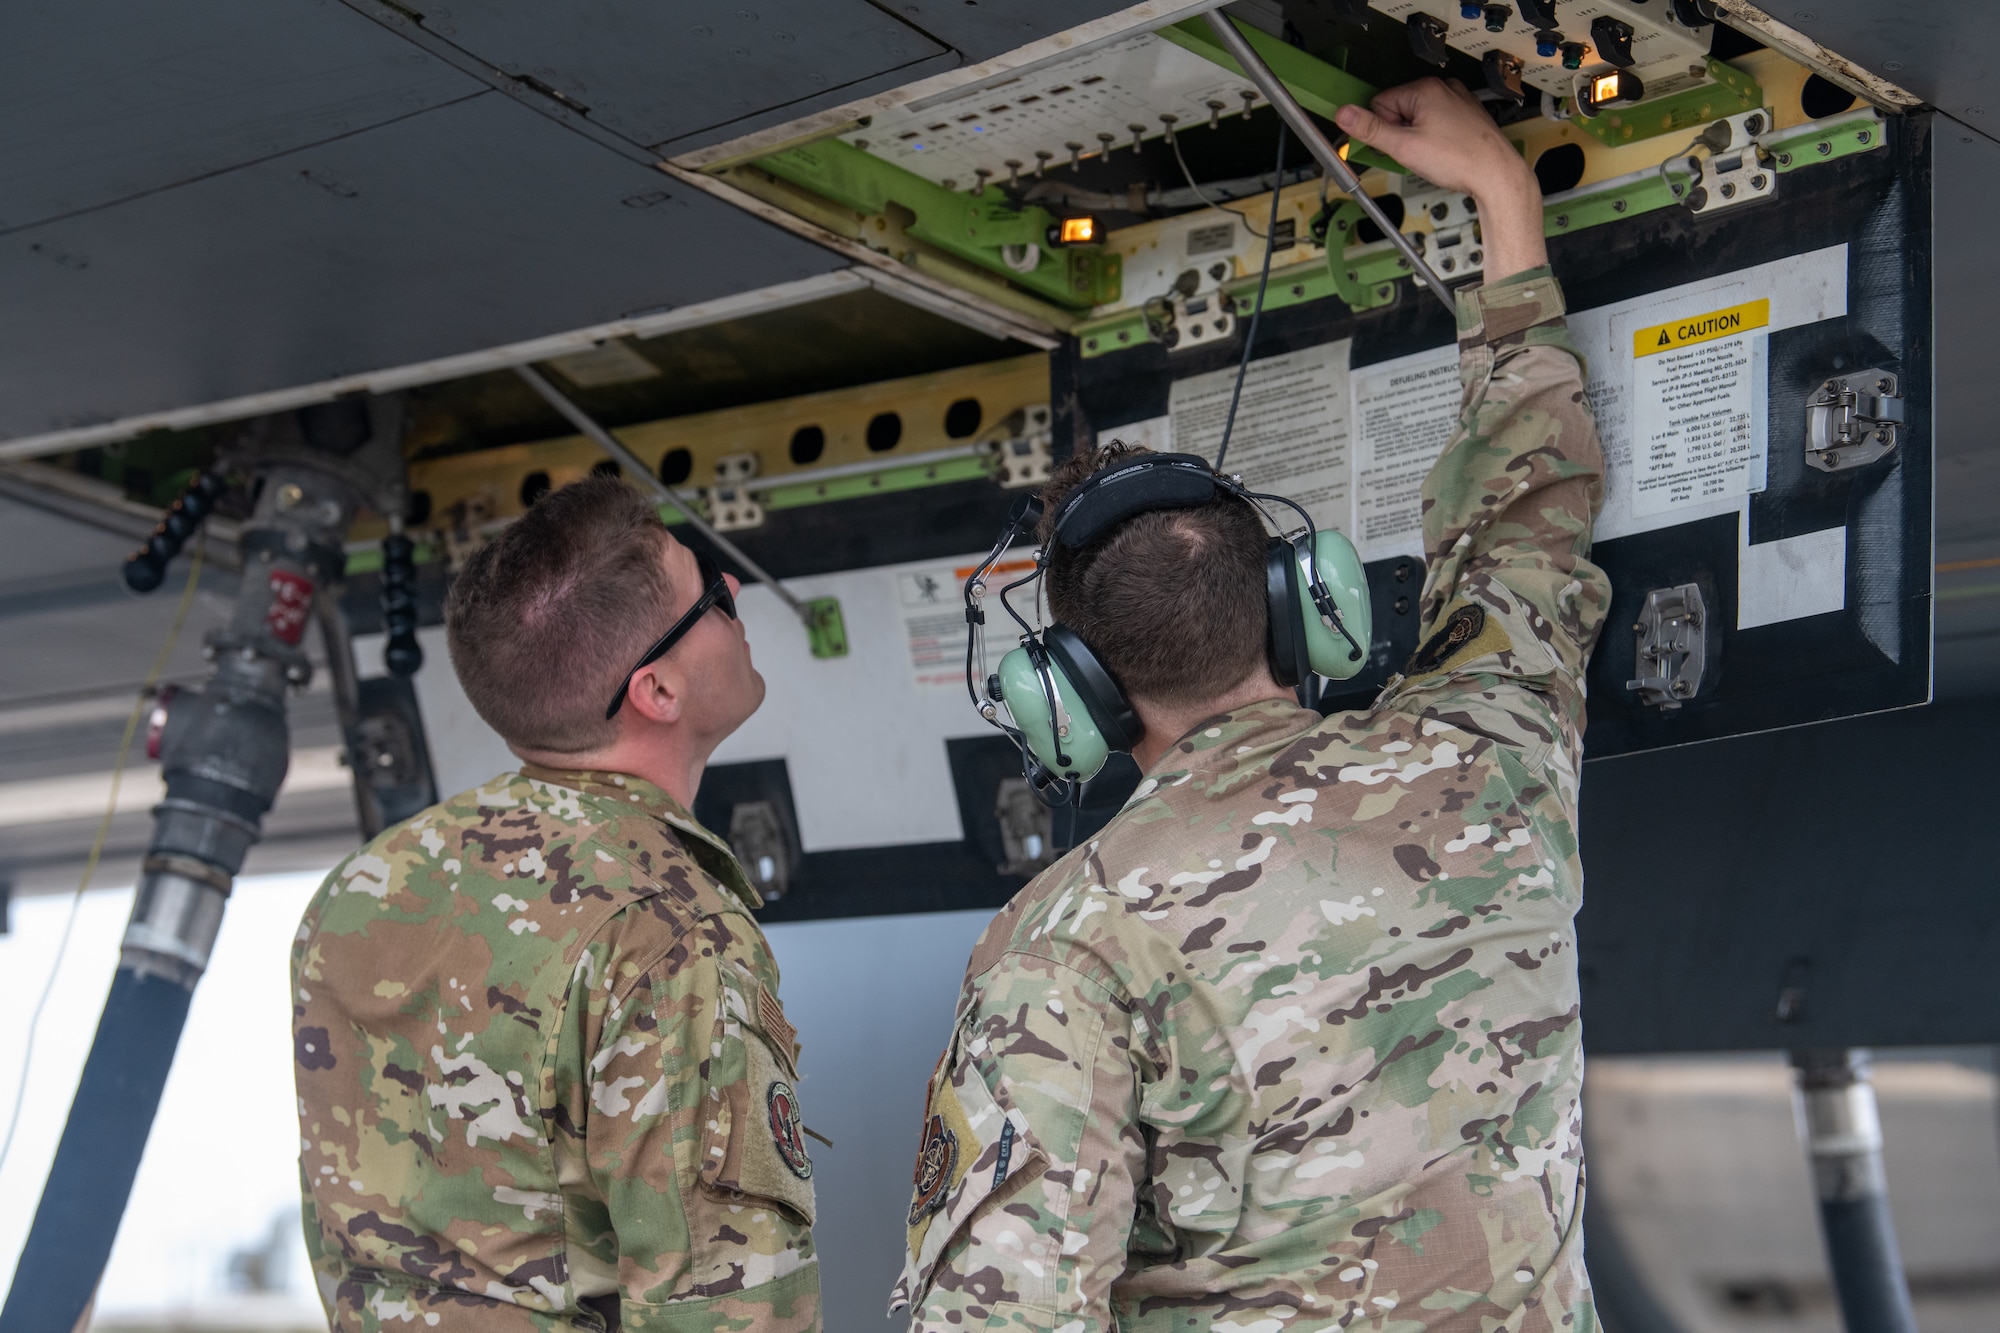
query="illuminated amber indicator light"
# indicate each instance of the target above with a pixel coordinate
(1082, 231)
(1604, 88)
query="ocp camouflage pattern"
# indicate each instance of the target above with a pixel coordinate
(544, 1080)
(1294, 1041)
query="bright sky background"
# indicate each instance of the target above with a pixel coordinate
(221, 1168)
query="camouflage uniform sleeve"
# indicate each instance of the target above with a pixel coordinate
(326, 1263)
(693, 1142)
(1512, 603)
(1029, 1161)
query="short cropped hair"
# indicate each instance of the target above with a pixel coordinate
(1171, 601)
(547, 618)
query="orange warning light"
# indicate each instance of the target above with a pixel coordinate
(1077, 231)
(1604, 88)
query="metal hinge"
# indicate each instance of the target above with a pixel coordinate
(1453, 244)
(1727, 166)
(1852, 420)
(731, 507)
(1672, 644)
(1198, 320)
(1020, 447)
(1027, 828)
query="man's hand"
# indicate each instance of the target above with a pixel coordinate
(1438, 130)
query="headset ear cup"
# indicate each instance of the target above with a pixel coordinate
(1096, 689)
(1284, 640)
(1337, 565)
(1080, 753)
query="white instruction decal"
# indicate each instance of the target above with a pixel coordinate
(1677, 385)
(931, 601)
(1404, 414)
(1155, 433)
(1692, 408)
(1291, 434)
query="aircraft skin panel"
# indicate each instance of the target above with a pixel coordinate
(1940, 50)
(471, 225)
(721, 60)
(107, 102)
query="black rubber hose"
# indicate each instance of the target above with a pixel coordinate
(1867, 1267)
(91, 1180)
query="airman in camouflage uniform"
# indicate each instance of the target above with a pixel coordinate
(1294, 1041)
(544, 1078)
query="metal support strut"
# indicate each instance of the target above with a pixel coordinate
(224, 753)
(636, 467)
(1843, 1134)
(1302, 125)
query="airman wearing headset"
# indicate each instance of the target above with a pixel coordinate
(1294, 1041)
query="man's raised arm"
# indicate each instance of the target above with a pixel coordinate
(1510, 595)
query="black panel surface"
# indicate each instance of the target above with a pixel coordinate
(475, 224)
(1840, 863)
(1968, 464)
(103, 100)
(1874, 654)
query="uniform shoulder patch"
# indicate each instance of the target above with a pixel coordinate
(937, 1165)
(771, 1015)
(1466, 633)
(787, 1131)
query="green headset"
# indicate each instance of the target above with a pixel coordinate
(1068, 712)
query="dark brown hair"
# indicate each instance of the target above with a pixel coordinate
(547, 618)
(1172, 601)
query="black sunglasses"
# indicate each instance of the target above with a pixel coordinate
(714, 592)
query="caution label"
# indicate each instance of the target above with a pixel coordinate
(1702, 328)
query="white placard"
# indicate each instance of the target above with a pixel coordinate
(1404, 414)
(930, 599)
(932, 610)
(1693, 404)
(1791, 578)
(1291, 433)
(1155, 433)
(1630, 395)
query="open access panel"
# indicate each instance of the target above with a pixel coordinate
(1740, 222)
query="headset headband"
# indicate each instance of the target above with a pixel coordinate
(1135, 486)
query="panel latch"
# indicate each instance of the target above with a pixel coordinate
(1853, 419)
(1672, 643)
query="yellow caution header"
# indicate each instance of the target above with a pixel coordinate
(1702, 328)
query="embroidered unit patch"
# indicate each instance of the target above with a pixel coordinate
(786, 1130)
(937, 1164)
(1460, 628)
(1465, 634)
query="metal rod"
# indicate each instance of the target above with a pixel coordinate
(636, 467)
(1302, 125)
(841, 471)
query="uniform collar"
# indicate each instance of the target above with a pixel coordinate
(629, 792)
(1240, 739)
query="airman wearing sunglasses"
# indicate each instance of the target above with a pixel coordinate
(544, 1078)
